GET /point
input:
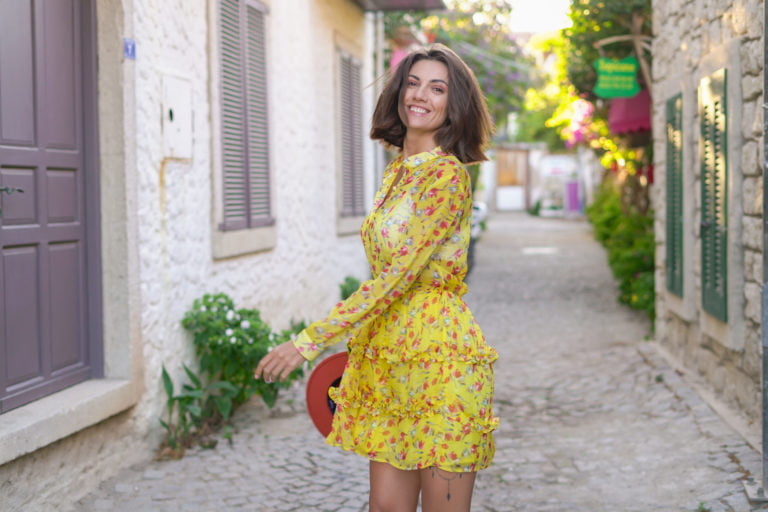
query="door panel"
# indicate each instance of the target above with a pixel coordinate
(22, 302)
(17, 62)
(65, 318)
(60, 63)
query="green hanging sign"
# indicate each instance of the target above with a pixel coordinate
(616, 78)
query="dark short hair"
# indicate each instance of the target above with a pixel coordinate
(468, 126)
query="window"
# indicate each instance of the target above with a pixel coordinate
(244, 122)
(350, 101)
(674, 200)
(714, 194)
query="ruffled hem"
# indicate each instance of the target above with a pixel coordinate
(439, 354)
(414, 410)
(411, 444)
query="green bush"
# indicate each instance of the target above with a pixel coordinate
(629, 240)
(229, 343)
(349, 286)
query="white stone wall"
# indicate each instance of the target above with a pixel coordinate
(692, 39)
(170, 208)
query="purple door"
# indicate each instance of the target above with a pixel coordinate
(49, 299)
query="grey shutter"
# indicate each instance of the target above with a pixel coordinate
(258, 128)
(674, 200)
(351, 137)
(714, 193)
(235, 186)
(245, 149)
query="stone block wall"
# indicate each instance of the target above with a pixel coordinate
(692, 39)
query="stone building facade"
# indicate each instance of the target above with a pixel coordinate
(708, 139)
(159, 137)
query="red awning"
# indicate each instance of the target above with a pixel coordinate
(633, 114)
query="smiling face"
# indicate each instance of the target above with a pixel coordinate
(424, 102)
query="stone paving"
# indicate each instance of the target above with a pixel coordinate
(592, 417)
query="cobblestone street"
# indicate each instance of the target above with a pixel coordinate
(592, 417)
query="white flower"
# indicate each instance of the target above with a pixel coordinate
(229, 332)
(233, 340)
(230, 315)
(214, 309)
(245, 324)
(203, 308)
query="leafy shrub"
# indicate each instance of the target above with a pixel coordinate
(629, 240)
(229, 343)
(349, 286)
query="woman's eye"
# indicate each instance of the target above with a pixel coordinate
(438, 90)
(412, 84)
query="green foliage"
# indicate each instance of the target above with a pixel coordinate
(479, 33)
(593, 21)
(535, 210)
(193, 413)
(548, 91)
(629, 239)
(229, 343)
(349, 286)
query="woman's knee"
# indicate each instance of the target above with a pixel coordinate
(445, 491)
(392, 489)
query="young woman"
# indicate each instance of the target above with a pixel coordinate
(417, 393)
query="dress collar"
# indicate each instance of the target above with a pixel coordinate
(416, 160)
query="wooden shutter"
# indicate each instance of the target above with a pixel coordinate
(258, 131)
(351, 137)
(714, 193)
(244, 132)
(674, 201)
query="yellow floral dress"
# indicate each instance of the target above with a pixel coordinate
(418, 387)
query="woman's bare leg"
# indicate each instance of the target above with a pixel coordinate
(392, 489)
(445, 491)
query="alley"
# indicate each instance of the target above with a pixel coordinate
(592, 418)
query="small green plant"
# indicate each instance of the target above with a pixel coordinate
(629, 239)
(195, 412)
(229, 343)
(349, 286)
(703, 508)
(535, 210)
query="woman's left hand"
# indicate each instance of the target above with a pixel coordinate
(279, 363)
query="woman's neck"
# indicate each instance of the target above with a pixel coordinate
(414, 144)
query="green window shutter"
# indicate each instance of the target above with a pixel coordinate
(244, 130)
(714, 193)
(674, 202)
(353, 201)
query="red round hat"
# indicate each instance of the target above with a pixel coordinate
(325, 376)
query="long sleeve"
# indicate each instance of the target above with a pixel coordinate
(437, 203)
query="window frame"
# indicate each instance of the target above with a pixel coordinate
(349, 220)
(252, 235)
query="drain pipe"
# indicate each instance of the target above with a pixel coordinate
(760, 492)
(756, 491)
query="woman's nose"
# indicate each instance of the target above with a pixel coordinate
(420, 93)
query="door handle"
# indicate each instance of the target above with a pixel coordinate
(9, 191)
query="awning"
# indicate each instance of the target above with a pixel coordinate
(400, 5)
(633, 114)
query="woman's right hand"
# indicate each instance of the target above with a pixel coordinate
(279, 363)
